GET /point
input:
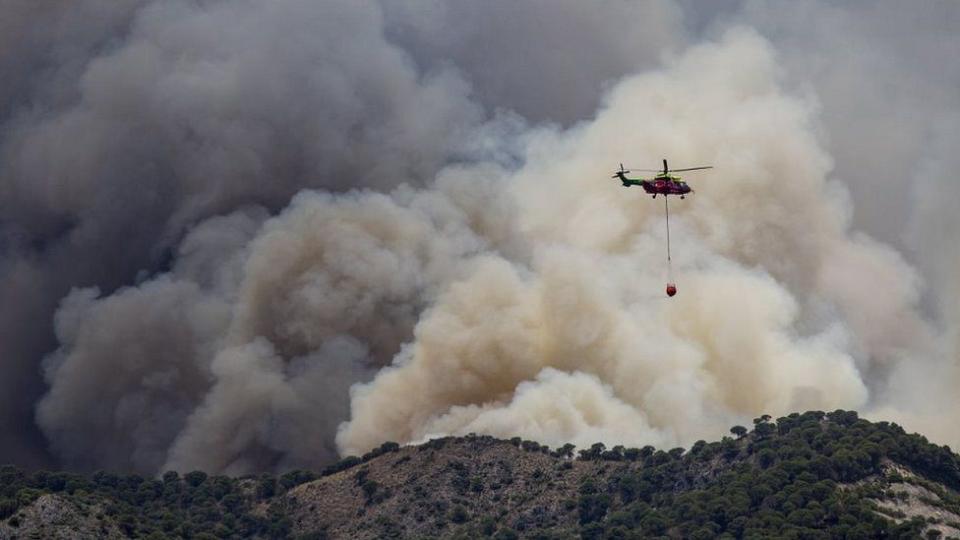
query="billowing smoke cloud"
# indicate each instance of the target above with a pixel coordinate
(514, 293)
(759, 240)
(888, 111)
(123, 124)
(127, 123)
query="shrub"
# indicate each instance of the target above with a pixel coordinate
(459, 514)
(369, 488)
(342, 465)
(487, 526)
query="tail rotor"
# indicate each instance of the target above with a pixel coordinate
(621, 172)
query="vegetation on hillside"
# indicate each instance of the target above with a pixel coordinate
(811, 475)
(194, 505)
(780, 481)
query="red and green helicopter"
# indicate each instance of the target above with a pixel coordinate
(663, 183)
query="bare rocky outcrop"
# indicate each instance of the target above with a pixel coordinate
(56, 517)
(432, 489)
(908, 495)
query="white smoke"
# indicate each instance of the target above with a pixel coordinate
(588, 304)
(781, 307)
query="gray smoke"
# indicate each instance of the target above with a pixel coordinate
(453, 261)
(884, 75)
(549, 61)
(125, 123)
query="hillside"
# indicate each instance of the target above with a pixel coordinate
(811, 475)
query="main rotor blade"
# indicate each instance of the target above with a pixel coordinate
(645, 170)
(692, 169)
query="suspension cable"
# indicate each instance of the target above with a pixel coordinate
(666, 207)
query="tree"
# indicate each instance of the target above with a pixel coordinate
(389, 446)
(762, 420)
(295, 478)
(593, 507)
(764, 429)
(593, 452)
(195, 478)
(7, 508)
(653, 524)
(766, 457)
(266, 487)
(738, 431)
(169, 477)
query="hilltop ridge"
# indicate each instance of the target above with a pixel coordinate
(810, 475)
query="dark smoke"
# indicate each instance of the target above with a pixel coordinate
(122, 124)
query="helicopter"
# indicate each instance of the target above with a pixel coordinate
(663, 183)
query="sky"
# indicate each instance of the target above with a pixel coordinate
(255, 236)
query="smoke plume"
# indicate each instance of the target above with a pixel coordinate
(246, 236)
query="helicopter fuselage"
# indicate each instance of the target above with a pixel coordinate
(660, 185)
